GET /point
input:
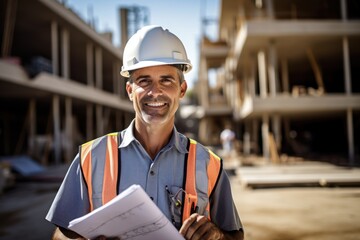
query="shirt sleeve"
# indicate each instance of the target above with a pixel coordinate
(223, 210)
(71, 200)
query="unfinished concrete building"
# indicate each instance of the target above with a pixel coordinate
(59, 81)
(287, 77)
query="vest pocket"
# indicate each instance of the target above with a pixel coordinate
(176, 198)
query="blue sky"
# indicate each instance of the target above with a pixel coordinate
(182, 17)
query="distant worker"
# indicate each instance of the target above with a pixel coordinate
(227, 137)
(183, 178)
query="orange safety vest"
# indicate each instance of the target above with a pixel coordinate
(92, 154)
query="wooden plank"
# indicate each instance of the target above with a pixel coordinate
(302, 174)
(274, 155)
(308, 166)
(317, 71)
(322, 179)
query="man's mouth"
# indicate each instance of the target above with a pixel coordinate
(155, 104)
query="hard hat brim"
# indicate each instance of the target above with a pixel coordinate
(143, 64)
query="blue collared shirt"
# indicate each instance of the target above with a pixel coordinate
(156, 176)
(153, 175)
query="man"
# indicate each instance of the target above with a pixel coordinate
(182, 177)
(227, 137)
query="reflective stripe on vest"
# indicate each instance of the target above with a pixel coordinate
(103, 189)
(106, 186)
(191, 183)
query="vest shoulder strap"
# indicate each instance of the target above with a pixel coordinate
(92, 154)
(213, 170)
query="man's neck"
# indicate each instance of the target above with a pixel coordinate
(153, 137)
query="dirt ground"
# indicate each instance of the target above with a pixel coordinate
(298, 213)
(311, 213)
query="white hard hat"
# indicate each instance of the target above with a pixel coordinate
(153, 46)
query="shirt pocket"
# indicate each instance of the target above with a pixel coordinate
(176, 198)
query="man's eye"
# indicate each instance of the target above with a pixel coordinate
(143, 82)
(166, 81)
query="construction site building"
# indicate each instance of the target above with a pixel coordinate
(59, 81)
(286, 78)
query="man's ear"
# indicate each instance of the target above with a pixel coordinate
(129, 90)
(183, 88)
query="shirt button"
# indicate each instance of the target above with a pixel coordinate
(152, 173)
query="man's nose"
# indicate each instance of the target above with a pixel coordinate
(155, 90)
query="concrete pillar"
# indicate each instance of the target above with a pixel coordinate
(89, 121)
(123, 12)
(69, 141)
(119, 120)
(106, 120)
(9, 25)
(348, 87)
(55, 48)
(56, 127)
(262, 74)
(254, 135)
(204, 134)
(239, 94)
(265, 136)
(285, 75)
(99, 121)
(343, 10)
(270, 9)
(348, 92)
(350, 134)
(128, 118)
(246, 82)
(116, 78)
(234, 93)
(347, 65)
(32, 126)
(246, 139)
(90, 64)
(203, 84)
(98, 68)
(287, 129)
(276, 129)
(65, 54)
(252, 81)
(273, 70)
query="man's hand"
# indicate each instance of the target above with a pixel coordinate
(199, 227)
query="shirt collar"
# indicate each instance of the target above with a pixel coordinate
(177, 139)
(128, 135)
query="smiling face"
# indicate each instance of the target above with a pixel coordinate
(155, 93)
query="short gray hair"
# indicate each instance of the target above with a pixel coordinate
(180, 74)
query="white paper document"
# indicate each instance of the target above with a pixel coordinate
(130, 215)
